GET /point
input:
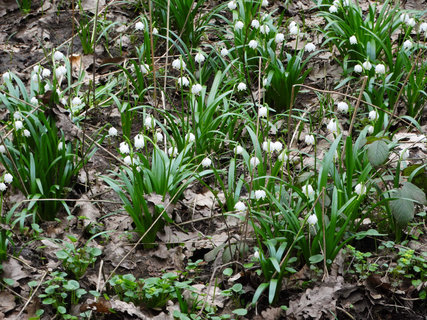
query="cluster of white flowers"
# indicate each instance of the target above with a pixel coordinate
(60, 71)
(76, 101)
(178, 64)
(196, 89)
(255, 24)
(19, 125)
(238, 25)
(254, 161)
(360, 189)
(173, 152)
(199, 58)
(145, 68)
(6, 76)
(358, 68)
(241, 86)
(190, 137)
(58, 56)
(139, 141)
(367, 65)
(7, 179)
(239, 150)
(253, 44)
(293, 28)
(407, 45)
(380, 69)
(260, 194)
(224, 52)
(309, 139)
(232, 5)
(149, 122)
(283, 156)
(183, 81)
(139, 26)
(270, 146)
(112, 132)
(332, 126)
(310, 47)
(405, 18)
(373, 115)
(308, 191)
(264, 29)
(312, 220)
(262, 111)
(342, 107)
(124, 147)
(240, 206)
(279, 38)
(206, 162)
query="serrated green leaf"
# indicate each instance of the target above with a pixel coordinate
(377, 152)
(402, 209)
(411, 191)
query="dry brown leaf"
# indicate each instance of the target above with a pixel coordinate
(12, 269)
(316, 303)
(270, 314)
(88, 210)
(7, 301)
(128, 308)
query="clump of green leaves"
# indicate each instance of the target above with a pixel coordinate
(60, 293)
(153, 292)
(43, 164)
(77, 260)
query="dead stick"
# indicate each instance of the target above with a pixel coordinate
(32, 295)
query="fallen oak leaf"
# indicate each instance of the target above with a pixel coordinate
(101, 306)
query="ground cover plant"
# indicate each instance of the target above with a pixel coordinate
(246, 159)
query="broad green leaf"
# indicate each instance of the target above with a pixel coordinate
(62, 310)
(316, 258)
(411, 191)
(240, 312)
(227, 272)
(370, 232)
(402, 209)
(237, 287)
(377, 152)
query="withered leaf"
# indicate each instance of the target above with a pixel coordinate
(101, 306)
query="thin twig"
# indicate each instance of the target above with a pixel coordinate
(356, 108)
(32, 295)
